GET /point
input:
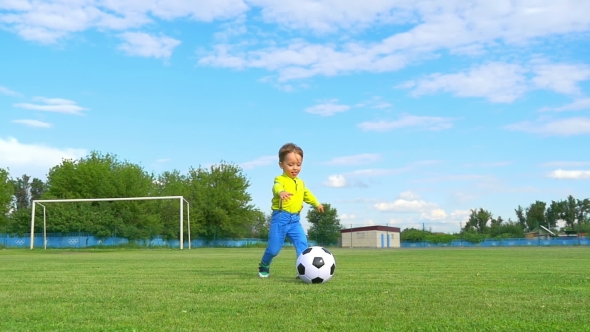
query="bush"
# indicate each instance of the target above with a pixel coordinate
(474, 237)
(440, 238)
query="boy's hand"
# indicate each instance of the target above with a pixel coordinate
(320, 208)
(285, 196)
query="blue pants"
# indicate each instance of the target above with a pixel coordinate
(284, 224)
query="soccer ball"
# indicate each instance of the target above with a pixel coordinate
(315, 265)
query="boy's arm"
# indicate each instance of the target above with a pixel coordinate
(309, 198)
(278, 187)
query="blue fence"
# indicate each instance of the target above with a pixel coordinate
(557, 241)
(85, 241)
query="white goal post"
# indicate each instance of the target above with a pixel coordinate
(181, 200)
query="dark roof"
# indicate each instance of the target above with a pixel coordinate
(371, 228)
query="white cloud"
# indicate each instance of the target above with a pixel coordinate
(356, 178)
(33, 123)
(421, 122)
(331, 16)
(403, 205)
(56, 105)
(564, 164)
(382, 105)
(460, 215)
(512, 21)
(439, 220)
(576, 105)
(282, 86)
(357, 200)
(369, 222)
(503, 82)
(462, 197)
(560, 127)
(423, 28)
(336, 181)
(327, 109)
(54, 101)
(33, 159)
(6, 91)
(145, 45)
(394, 221)
(376, 103)
(372, 172)
(434, 214)
(202, 10)
(489, 164)
(454, 178)
(497, 82)
(48, 22)
(262, 161)
(301, 59)
(231, 29)
(409, 195)
(14, 5)
(359, 159)
(346, 216)
(162, 160)
(561, 78)
(573, 174)
(456, 26)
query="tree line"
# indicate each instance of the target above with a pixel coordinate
(220, 205)
(574, 214)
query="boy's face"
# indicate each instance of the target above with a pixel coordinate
(291, 165)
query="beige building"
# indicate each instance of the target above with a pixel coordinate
(370, 237)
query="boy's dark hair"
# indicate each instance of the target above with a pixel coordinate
(288, 148)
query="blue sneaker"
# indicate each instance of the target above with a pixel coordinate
(263, 270)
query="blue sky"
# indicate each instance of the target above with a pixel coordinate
(409, 112)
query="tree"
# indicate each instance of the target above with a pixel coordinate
(582, 210)
(520, 215)
(535, 215)
(38, 187)
(478, 221)
(473, 237)
(99, 176)
(325, 227)
(413, 235)
(261, 226)
(218, 197)
(6, 195)
(552, 214)
(512, 230)
(172, 184)
(440, 238)
(496, 226)
(27, 190)
(222, 203)
(567, 212)
(22, 192)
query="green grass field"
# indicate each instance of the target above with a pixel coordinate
(499, 289)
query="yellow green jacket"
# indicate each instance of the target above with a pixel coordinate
(296, 187)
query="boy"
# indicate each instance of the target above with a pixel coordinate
(289, 193)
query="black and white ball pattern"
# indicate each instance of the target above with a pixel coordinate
(316, 265)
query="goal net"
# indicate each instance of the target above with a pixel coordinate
(42, 202)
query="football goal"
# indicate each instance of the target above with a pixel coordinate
(43, 202)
